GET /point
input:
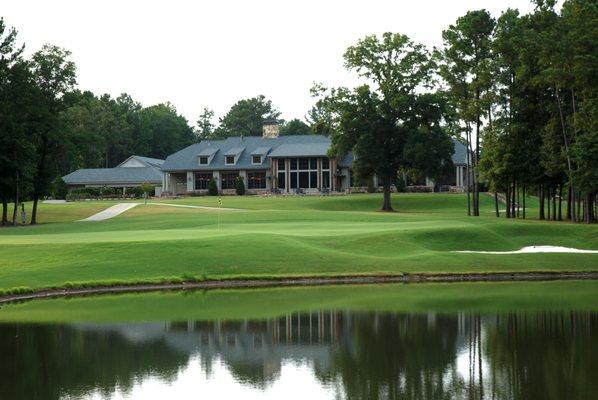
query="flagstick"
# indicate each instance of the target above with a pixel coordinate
(219, 205)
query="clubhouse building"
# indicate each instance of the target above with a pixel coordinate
(289, 164)
(271, 163)
(133, 172)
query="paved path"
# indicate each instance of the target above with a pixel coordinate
(111, 212)
(188, 206)
(54, 202)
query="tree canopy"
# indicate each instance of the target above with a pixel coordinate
(391, 124)
(246, 117)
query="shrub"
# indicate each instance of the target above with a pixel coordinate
(107, 191)
(59, 188)
(370, 187)
(419, 189)
(92, 191)
(136, 192)
(400, 183)
(239, 186)
(213, 187)
(147, 188)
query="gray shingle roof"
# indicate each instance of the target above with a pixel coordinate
(301, 150)
(156, 162)
(186, 159)
(283, 146)
(235, 151)
(260, 151)
(113, 176)
(460, 153)
(208, 151)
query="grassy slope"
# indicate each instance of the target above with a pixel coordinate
(280, 236)
(266, 303)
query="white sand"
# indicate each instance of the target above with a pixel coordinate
(111, 212)
(54, 202)
(534, 249)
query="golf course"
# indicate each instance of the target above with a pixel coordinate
(275, 237)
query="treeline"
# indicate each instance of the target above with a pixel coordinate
(519, 91)
(524, 90)
(48, 128)
(247, 116)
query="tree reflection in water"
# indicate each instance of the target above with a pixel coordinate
(361, 355)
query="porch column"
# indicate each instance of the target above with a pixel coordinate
(190, 181)
(216, 175)
(287, 163)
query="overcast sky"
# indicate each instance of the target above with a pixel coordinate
(213, 53)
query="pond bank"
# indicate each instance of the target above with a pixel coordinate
(301, 281)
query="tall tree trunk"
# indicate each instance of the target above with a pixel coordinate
(4, 210)
(518, 200)
(588, 207)
(39, 178)
(469, 169)
(514, 204)
(561, 202)
(477, 159)
(16, 207)
(524, 194)
(548, 202)
(386, 205)
(578, 207)
(496, 204)
(565, 139)
(554, 204)
(508, 200)
(541, 193)
(569, 201)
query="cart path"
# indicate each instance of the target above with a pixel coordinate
(111, 212)
(190, 206)
(120, 208)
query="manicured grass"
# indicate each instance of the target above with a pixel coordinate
(487, 297)
(278, 236)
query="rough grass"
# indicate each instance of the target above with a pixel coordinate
(487, 297)
(277, 236)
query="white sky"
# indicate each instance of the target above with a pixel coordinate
(214, 53)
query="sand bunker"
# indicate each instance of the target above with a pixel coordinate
(534, 249)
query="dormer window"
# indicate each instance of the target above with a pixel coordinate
(203, 160)
(229, 160)
(256, 160)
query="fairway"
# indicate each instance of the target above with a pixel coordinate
(261, 237)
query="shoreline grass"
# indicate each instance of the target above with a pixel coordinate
(243, 304)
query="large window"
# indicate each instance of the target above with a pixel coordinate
(304, 173)
(227, 179)
(281, 180)
(256, 180)
(325, 173)
(202, 180)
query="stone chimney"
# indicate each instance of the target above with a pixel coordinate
(270, 129)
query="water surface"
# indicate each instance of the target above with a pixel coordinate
(327, 353)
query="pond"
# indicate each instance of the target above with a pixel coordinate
(365, 342)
